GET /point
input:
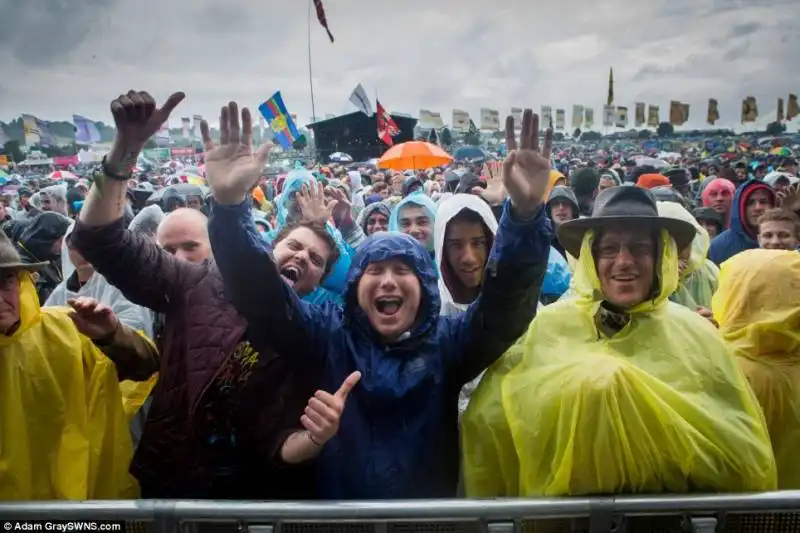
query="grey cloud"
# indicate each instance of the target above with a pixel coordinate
(744, 29)
(429, 55)
(737, 52)
(44, 32)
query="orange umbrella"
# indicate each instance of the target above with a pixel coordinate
(414, 155)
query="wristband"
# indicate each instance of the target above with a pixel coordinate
(122, 172)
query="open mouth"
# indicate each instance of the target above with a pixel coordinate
(388, 305)
(292, 274)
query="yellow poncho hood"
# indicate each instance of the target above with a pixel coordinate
(758, 310)
(64, 432)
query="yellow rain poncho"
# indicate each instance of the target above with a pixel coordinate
(758, 310)
(64, 433)
(698, 280)
(659, 407)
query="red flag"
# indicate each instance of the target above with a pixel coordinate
(386, 126)
(321, 17)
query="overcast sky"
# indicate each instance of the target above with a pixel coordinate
(60, 56)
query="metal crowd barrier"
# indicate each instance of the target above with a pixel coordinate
(773, 512)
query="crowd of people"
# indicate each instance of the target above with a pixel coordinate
(551, 324)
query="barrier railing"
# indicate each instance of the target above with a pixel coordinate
(774, 512)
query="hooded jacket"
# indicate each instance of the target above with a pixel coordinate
(418, 199)
(398, 436)
(561, 193)
(363, 217)
(134, 316)
(36, 244)
(739, 236)
(446, 212)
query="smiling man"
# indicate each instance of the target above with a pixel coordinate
(644, 390)
(399, 436)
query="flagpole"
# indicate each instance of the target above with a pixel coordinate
(310, 73)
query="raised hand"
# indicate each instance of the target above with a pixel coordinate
(324, 411)
(93, 319)
(789, 198)
(312, 206)
(340, 206)
(495, 191)
(137, 119)
(232, 168)
(526, 170)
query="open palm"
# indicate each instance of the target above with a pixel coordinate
(232, 168)
(526, 170)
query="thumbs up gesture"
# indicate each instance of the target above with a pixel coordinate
(324, 410)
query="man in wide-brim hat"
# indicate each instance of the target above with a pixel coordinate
(626, 242)
(57, 429)
(618, 389)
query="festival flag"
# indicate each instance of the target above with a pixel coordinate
(360, 99)
(577, 116)
(196, 120)
(86, 131)
(678, 113)
(386, 125)
(279, 120)
(792, 107)
(185, 122)
(610, 86)
(460, 120)
(749, 109)
(46, 137)
(713, 111)
(639, 118)
(321, 17)
(561, 119)
(588, 117)
(780, 110)
(653, 116)
(473, 129)
(31, 129)
(621, 120)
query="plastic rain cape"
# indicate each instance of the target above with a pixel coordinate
(661, 406)
(758, 310)
(699, 279)
(64, 432)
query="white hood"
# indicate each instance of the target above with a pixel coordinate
(447, 209)
(97, 287)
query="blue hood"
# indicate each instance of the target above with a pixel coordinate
(293, 183)
(737, 238)
(418, 199)
(383, 246)
(739, 205)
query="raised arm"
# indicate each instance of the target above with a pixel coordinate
(277, 317)
(145, 273)
(518, 261)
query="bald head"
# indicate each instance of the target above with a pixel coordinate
(184, 234)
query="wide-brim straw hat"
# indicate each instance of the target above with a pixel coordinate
(633, 207)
